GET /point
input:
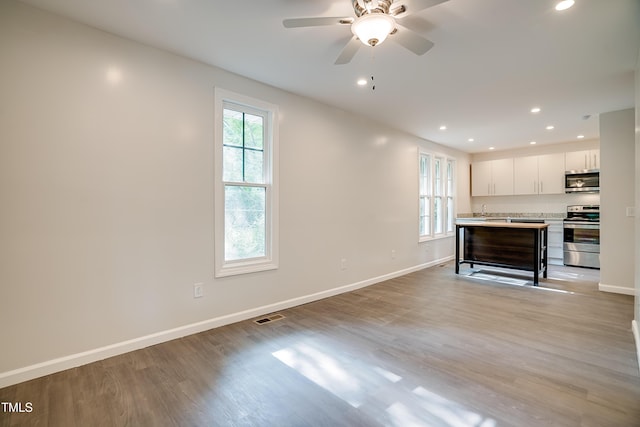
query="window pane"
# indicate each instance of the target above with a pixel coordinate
(449, 178)
(253, 166)
(437, 176)
(245, 221)
(232, 164)
(425, 173)
(253, 131)
(232, 128)
(437, 215)
(424, 216)
(450, 219)
(422, 225)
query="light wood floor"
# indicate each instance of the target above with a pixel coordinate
(427, 349)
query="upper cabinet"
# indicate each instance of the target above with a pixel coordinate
(551, 168)
(542, 174)
(492, 178)
(587, 159)
(525, 177)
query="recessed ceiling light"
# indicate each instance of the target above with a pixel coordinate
(492, 148)
(443, 127)
(533, 143)
(564, 4)
(362, 82)
(470, 139)
(550, 127)
(535, 110)
(580, 136)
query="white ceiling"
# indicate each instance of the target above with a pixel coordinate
(493, 60)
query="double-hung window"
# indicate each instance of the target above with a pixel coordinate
(438, 190)
(425, 194)
(450, 194)
(436, 196)
(245, 185)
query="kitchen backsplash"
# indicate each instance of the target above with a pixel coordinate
(540, 206)
(545, 215)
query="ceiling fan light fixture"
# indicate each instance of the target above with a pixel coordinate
(564, 5)
(373, 28)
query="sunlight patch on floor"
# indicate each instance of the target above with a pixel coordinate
(344, 377)
(354, 382)
(435, 410)
(495, 278)
(500, 279)
(560, 291)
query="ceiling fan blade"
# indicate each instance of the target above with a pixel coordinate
(410, 40)
(349, 51)
(315, 22)
(407, 7)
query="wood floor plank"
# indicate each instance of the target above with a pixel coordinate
(430, 348)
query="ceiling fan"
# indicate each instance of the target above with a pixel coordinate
(374, 21)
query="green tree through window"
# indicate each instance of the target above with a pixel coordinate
(245, 184)
(245, 192)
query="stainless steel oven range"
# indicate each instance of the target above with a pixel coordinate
(582, 236)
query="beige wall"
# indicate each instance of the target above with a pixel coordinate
(617, 200)
(106, 178)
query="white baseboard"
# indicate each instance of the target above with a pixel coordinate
(616, 289)
(74, 360)
(636, 336)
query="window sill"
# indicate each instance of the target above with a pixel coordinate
(234, 269)
(422, 239)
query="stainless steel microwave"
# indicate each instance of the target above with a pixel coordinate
(585, 181)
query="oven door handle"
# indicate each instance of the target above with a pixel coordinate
(584, 226)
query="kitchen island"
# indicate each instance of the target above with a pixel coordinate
(521, 246)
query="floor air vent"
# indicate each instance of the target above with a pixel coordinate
(271, 318)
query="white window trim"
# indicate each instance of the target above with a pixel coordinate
(445, 159)
(270, 261)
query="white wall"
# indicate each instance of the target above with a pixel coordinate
(617, 171)
(106, 180)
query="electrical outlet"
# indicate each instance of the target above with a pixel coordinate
(198, 290)
(343, 264)
(393, 254)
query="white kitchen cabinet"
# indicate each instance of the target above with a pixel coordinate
(525, 175)
(481, 179)
(551, 168)
(539, 174)
(492, 178)
(586, 159)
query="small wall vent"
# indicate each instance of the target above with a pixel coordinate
(267, 319)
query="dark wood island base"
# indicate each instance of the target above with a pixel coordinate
(505, 245)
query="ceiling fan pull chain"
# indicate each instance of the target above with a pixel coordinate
(373, 63)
